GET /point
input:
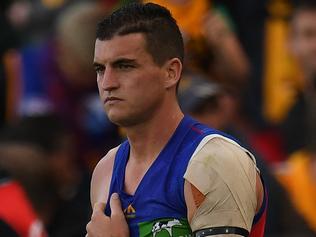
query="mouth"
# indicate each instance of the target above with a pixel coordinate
(111, 99)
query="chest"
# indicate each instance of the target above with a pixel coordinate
(157, 181)
(156, 201)
(134, 173)
(154, 191)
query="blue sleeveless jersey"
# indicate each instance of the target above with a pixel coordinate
(158, 207)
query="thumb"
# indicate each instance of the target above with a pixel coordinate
(115, 204)
(118, 221)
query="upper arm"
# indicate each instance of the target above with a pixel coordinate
(101, 178)
(227, 178)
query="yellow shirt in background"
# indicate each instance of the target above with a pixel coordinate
(297, 180)
(189, 15)
(282, 77)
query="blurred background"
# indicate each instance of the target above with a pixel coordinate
(250, 70)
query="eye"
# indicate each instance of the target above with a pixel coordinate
(99, 69)
(125, 66)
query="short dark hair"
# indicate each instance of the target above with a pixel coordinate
(302, 5)
(297, 4)
(163, 37)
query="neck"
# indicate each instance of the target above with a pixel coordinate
(148, 138)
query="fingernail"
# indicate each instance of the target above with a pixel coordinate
(115, 196)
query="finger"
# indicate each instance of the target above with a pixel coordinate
(99, 206)
(118, 221)
(115, 204)
(207, 17)
(88, 228)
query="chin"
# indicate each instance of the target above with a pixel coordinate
(119, 120)
(124, 120)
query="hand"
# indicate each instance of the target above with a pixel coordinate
(104, 226)
(215, 29)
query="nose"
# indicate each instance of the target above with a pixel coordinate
(109, 80)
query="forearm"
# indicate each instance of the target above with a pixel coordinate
(230, 61)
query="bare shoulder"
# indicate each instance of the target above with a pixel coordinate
(101, 177)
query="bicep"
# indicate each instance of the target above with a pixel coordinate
(101, 178)
(95, 187)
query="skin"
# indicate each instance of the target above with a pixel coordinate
(303, 46)
(231, 61)
(140, 96)
(303, 42)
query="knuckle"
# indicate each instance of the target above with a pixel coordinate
(88, 227)
(94, 217)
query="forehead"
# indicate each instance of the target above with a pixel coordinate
(304, 17)
(126, 46)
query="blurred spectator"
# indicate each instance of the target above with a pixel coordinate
(17, 215)
(9, 41)
(205, 100)
(298, 174)
(19, 160)
(58, 76)
(302, 43)
(211, 45)
(62, 194)
(260, 27)
(213, 105)
(34, 19)
(281, 76)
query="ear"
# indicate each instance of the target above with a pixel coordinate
(173, 69)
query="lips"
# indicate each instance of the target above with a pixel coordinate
(111, 99)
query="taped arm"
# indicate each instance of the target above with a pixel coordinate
(225, 175)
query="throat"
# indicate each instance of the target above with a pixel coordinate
(134, 174)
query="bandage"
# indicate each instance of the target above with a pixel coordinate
(226, 174)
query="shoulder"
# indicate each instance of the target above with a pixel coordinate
(225, 173)
(220, 157)
(101, 177)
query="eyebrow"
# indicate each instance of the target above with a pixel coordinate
(96, 64)
(124, 60)
(117, 62)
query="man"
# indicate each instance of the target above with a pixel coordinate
(207, 101)
(298, 173)
(302, 43)
(172, 175)
(38, 152)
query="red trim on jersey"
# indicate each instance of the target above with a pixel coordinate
(258, 227)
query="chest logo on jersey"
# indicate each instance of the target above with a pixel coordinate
(165, 226)
(130, 211)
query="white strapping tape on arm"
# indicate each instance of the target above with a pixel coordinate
(226, 176)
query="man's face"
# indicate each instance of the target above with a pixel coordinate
(130, 83)
(303, 40)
